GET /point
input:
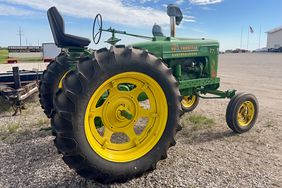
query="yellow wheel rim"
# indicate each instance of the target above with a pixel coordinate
(246, 113)
(60, 85)
(188, 101)
(120, 112)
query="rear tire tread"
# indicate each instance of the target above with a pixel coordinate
(49, 83)
(99, 64)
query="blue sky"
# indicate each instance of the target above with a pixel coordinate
(217, 19)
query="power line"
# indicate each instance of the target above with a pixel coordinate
(248, 38)
(20, 33)
(259, 35)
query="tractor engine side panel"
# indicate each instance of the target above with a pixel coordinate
(198, 57)
(194, 62)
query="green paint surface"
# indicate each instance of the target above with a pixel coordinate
(177, 52)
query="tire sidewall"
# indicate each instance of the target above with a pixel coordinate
(238, 103)
(229, 109)
(50, 81)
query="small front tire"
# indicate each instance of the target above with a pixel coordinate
(242, 112)
(189, 103)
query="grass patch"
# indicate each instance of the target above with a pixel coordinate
(13, 127)
(30, 59)
(196, 127)
(36, 123)
(3, 56)
(5, 106)
(40, 123)
(270, 123)
(200, 122)
(13, 131)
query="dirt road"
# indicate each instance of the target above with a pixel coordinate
(203, 157)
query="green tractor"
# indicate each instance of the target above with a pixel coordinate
(115, 112)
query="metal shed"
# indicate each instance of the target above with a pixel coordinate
(274, 38)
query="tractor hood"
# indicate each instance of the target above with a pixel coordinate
(172, 48)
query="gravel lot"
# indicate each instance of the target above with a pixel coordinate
(206, 157)
(27, 66)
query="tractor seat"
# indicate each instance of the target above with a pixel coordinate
(58, 30)
(157, 31)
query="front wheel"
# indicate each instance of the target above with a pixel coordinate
(189, 103)
(242, 112)
(103, 131)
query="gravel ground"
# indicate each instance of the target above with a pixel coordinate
(23, 65)
(203, 157)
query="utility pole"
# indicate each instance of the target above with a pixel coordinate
(248, 38)
(259, 35)
(241, 37)
(20, 33)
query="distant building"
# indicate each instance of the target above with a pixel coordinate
(17, 49)
(274, 38)
(50, 51)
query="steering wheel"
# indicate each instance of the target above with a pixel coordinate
(98, 22)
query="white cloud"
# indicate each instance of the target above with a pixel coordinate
(206, 8)
(6, 10)
(205, 2)
(146, 1)
(114, 11)
(179, 2)
(189, 18)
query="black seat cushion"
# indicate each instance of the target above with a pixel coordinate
(157, 31)
(58, 30)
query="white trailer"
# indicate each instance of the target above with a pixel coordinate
(50, 51)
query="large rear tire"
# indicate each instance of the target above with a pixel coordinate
(118, 148)
(51, 81)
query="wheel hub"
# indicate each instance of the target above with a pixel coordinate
(246, 113)
(119, 112)
(188, 101)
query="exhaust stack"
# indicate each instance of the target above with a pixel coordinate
(176, 17)
(172, 26)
